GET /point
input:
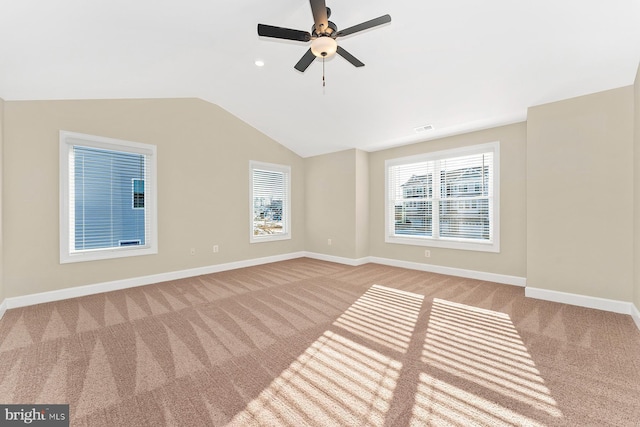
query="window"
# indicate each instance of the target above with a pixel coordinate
(270, 211)
(445, 199)
(107, 198)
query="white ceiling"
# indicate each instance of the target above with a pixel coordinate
(458, 65)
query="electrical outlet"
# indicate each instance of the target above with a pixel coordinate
(329, 242)
(216, 249)
(427, 253)
(193, 251)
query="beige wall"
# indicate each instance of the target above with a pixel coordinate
(203, 179)
(512, 257)
(636, 216)
(330, 204)
(580, 195)
(2, 293)
(551, 169)
(362, 204)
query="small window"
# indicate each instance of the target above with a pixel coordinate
(445, 199)
(269, 202)
(107, 198)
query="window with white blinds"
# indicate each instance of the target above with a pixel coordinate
(270, 202)
(445, 199)
(107, 198)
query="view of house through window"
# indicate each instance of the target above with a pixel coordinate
(138, 193)
(104, 187)
(445, 199)
(270, 188)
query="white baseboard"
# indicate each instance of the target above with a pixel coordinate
(81, 291)
(340, 260)
(611, 305)
(3, 308)
(635, 315)
(459, 272)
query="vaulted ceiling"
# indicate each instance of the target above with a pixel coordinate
(455, 65)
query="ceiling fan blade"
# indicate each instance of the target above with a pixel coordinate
(319, 10)
(305, 61)
(283, 33)
(346, 55)
(364, 26)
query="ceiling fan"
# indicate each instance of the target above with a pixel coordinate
(322, 36)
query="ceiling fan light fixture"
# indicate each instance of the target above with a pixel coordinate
(322, 36)
(324, 46)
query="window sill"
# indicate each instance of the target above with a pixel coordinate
(269, 238)
(445, 243)
(100, 254)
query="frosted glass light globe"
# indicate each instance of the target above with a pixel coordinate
(324, 46)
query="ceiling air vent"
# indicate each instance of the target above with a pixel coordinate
(423, 128)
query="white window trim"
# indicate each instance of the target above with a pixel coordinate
(286, 208)
(67, 141)
(443, 242)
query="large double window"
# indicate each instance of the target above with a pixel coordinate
(445, 199)
(107, 198)
(270, 207)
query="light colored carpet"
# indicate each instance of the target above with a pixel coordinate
(306, 342)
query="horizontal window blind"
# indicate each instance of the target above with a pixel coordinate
(440, 197)
(270, 201)
(107, 197)
(465, 195)
(412, 186)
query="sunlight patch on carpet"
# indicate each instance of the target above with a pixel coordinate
(383, 315)
(468, 352)
(336, 380)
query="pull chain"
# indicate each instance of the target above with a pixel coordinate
(323, 82)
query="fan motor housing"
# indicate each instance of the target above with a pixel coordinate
(331, 29)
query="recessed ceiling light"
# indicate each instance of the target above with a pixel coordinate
(423, 128)
(259, 63)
